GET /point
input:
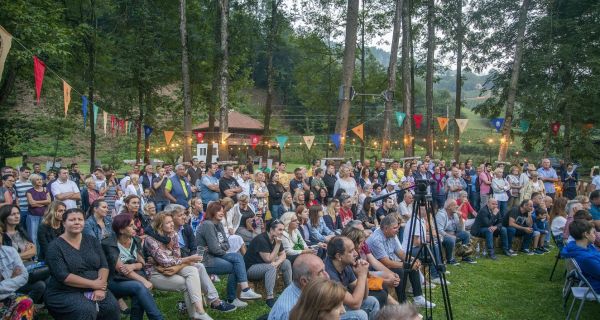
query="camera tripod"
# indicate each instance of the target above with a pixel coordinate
(427, 250)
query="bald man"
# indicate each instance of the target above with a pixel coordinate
(306, 268)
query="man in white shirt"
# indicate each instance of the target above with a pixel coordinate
(405, 207)
(66, 190)
(245, 182)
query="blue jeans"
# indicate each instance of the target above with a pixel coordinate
(449, 242)
(437, 255)
(231, 264)
(141, 298)
(275, 211)
(527, 237)
(160, 205)
(23, 220)
(33, 222)
(368, 310)
(502, 206)
(474, 200)
(489, 237)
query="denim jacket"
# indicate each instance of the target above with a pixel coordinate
(93, 229)
(318, 233)
(9, 260)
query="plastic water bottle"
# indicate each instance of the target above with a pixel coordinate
(484, 252)
(477, 251)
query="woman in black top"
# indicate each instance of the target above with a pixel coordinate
(276, 191)
(79, 272)
(51, 227)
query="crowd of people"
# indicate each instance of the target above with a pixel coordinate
(336, 235)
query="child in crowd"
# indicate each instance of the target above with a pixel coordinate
(541, 225)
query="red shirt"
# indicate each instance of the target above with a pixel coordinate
(346, 216)
(465, 209)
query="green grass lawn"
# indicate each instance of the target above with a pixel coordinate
(509, 288)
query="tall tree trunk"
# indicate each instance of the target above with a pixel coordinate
(458, 93)
(514, 80)
(363, 100)
(224, 80)
(9, 82)
(91, 76)
(348, 63)
(213, 103)
(140, 120)
(429, 76)
(406, 80)
(271, 39)
(140, 127)
(412, 76)
(392, 68)
(185, 74)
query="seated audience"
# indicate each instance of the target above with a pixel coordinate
(14, 235)
(384, 245)
(131, 206)
(519, 222)
(488, 224)
(127, 278)
(266, 257)
(584, 251)
(167, 270)
(150, 210)
(219, 260)
(558, 219)
(345, 212)
(465, 210)
(302, 215)
(99, 221)
(51, 227)
(451, 228)
(196, 210)
(367, 215)
(319, 232)
(292, 242)
(342, 266)
(320, 300)
(79, 273)
(540, 225)
(240, 219)
(287, 204)
(236, 243)
(388, 207)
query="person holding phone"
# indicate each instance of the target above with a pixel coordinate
(266, 256)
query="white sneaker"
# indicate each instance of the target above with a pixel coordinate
(250, 295)
(239, 303)
(214, 278)
(432, 285)
(201, 316)
(422, 303)
(438, 281)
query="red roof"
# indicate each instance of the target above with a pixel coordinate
(236, 121)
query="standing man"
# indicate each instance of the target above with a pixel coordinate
(228, 186)
(455, 184)
(317, 180)
(245, 182)
(66, 190)
(330, 180)
(194, 172)
(343, 266)
(423, 174)
(284, 178)
(159, 184)
(297, 184)
(178, 189)
(74, 174)
(209, 186)
(21, 186)
(148, 176)
(548, 175)
(37, 169)
(485, 184)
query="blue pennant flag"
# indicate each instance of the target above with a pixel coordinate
(147, 131)
(400, 118)
(84, 110)
(336, 138)
(281, 140)
(498, 123)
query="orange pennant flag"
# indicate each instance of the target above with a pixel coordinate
(169, 136)
(309, 140)
(67, 96)
(443, 122)
(359, 131)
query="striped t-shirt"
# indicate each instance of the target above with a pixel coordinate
(21, 188)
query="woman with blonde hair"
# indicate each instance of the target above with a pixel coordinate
(345, 182)
(287, 204)
(236, 242)
(332, 216)
(292, 241)
(320, 299)
(51, 227)
(500, 186)
(134, 187)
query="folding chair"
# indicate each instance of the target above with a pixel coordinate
(558, 256)
(584, 292)
(571, 280)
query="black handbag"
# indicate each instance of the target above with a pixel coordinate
(38, 271)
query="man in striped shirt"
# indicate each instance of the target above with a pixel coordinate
(21, 187)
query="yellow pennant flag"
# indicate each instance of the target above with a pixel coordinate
(443, 122)
(309, 140)
(169, 136)
(67, 96)
(5, 43)
(462, 124)
(359, 131)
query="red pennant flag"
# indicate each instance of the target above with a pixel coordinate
(113, 121)
(555, 127)
(254, 140)
(199, 136)
(122, 125)
(38, 71)
(418, 119)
